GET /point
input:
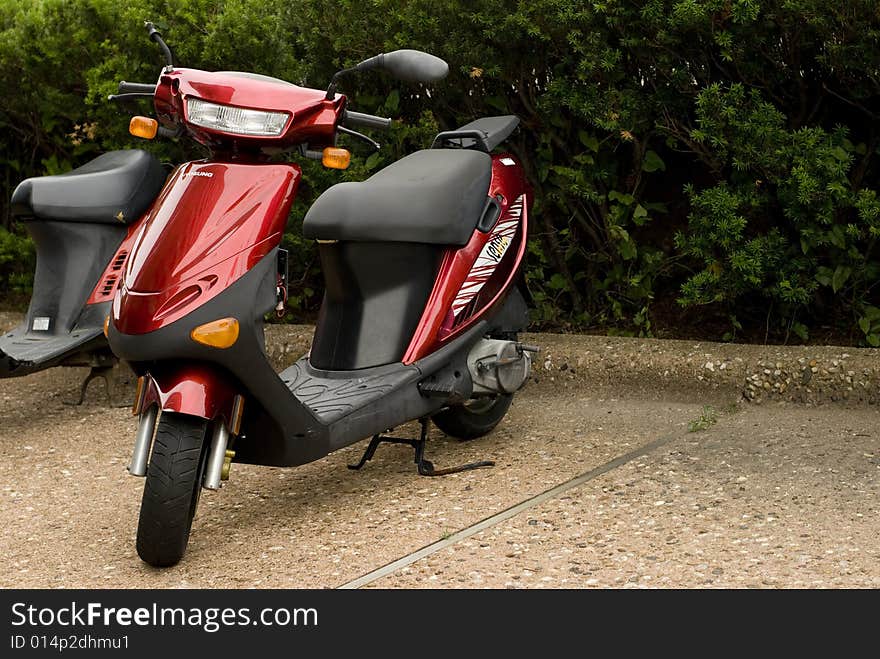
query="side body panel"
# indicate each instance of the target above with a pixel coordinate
(474, 278)
(213, 222)
(211, 226)
(111, 280)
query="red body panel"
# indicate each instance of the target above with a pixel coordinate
(111, 280)
(313, 118)
(211, 224)
(192, 388)
(466, 289)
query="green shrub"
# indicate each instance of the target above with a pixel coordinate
(16, 266)
(717, 153)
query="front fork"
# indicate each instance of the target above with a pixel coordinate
(197, 392)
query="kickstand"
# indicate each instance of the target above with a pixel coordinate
(425, 467)
(95, 372)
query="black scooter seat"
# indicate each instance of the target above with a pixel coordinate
(435, 196)
(114, 188)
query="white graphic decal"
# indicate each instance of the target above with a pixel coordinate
(491, 255)
(41, 324)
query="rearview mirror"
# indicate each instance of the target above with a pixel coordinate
(413, 65)
(409, 65)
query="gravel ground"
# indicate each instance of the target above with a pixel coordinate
(69, 509)
(775, 494)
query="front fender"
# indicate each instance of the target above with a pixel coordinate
(199, 390)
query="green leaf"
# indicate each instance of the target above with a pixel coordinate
(392, 102)
(588, 140)
(841, 274)
(653, 162)
(371, 161)
(557, 282)
(628, 250)
(865, 325)
(839, 153)
(623, 198)
(872, 313)
(874, 340)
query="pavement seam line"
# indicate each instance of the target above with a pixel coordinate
(504, 515)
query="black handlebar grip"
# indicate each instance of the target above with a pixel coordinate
(136, 88)
(367, 120)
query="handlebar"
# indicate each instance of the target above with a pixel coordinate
(366, 120)
(136, 88)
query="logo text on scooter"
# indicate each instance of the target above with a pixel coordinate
(199, 173)
(497, 247)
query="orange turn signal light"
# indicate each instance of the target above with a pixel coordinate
(143, 127)
(107, 326)
(336, 158)
(216, 334)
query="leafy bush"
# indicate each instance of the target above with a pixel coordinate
(716, 154)
(819, 239)
(16, 266)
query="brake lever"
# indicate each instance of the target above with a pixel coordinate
(354, 133)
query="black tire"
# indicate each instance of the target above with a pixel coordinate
(475, 418)
(171, 493)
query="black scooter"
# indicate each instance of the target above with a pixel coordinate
(83, 224)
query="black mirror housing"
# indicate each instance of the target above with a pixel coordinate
(408, 65)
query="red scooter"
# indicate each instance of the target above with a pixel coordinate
(420, 313)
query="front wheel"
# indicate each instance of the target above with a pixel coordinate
(474, 418)
(171, 492)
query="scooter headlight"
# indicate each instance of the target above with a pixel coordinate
(240, 121)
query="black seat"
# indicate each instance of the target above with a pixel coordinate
(116, 187)
(434, 197)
